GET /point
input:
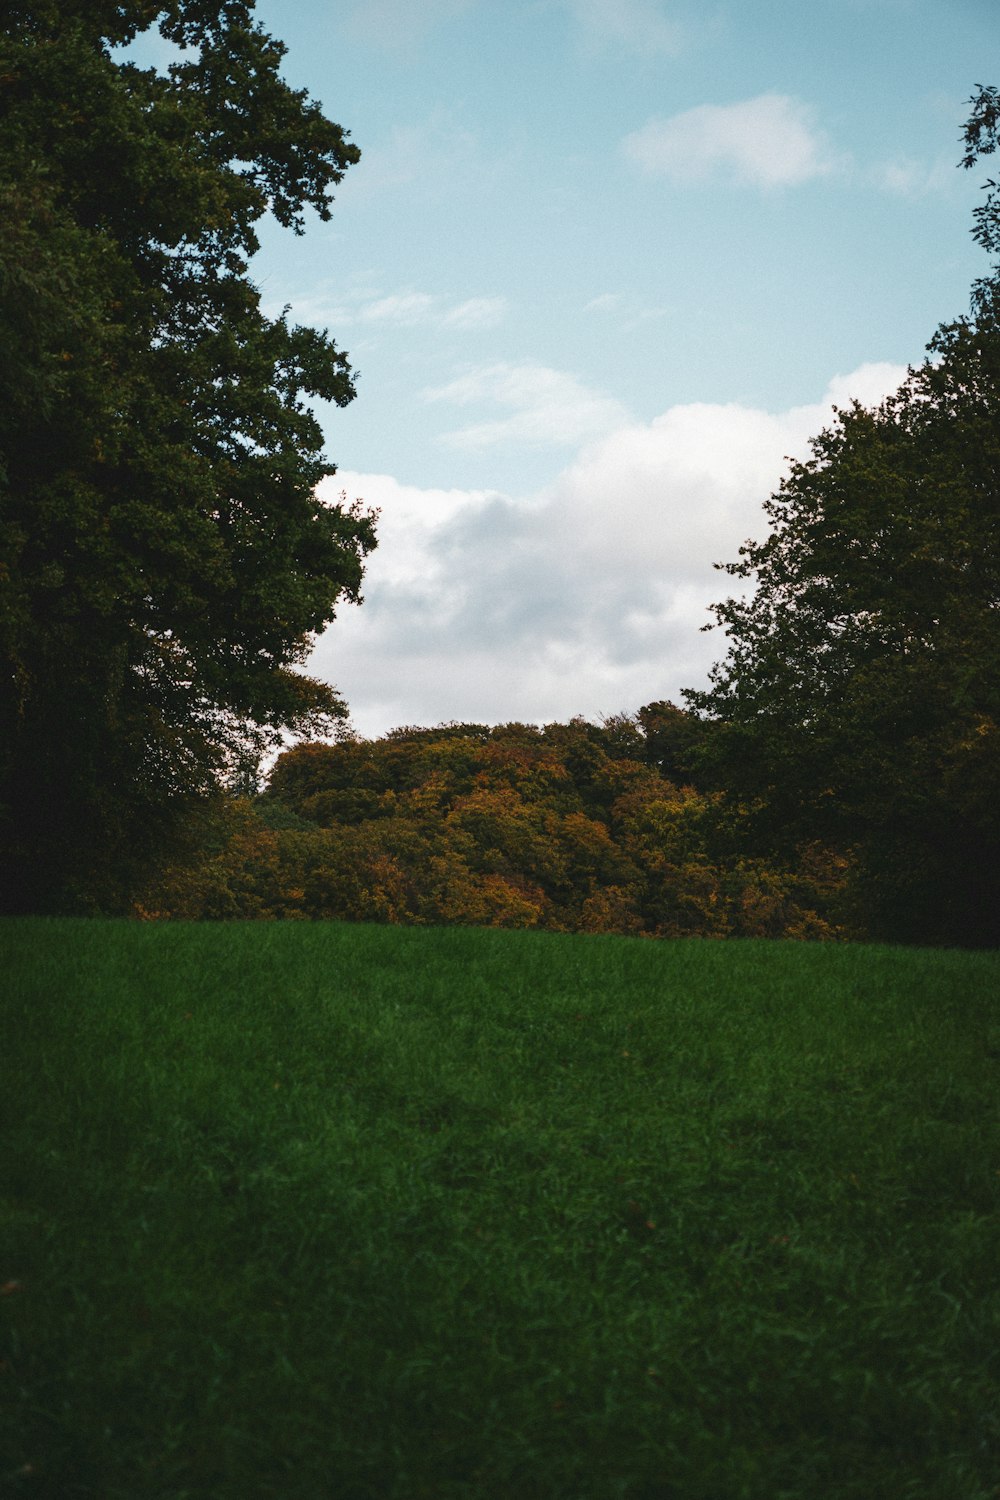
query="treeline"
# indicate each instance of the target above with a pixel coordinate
(574, 827)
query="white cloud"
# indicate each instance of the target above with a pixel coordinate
(545, 405)
(770, 141)
(434, 153)
(399, 23)
(404, 309)
(476, 312)
(630, 312)
(585, 598)
(606, 302)
(868, 384)
(407, 309)
(910, 178)
(638, 26)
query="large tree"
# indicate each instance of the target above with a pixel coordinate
(860, 698)
(164, 558)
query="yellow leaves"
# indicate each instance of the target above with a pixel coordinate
(456, 827)
(144, 914)
(511, 903)
(612, 909)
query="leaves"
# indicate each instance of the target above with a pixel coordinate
(164, 560)
(858, 701)
(511, 827)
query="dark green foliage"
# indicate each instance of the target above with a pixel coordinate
(163, 558)
(860, 700)
(306, 1213)
(676, 742)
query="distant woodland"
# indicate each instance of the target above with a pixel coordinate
(574, 828)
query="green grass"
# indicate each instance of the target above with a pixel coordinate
(321, 1212)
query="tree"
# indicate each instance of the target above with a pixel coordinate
(164, 558)
(859, 702)
(981, 138)
(513, 826)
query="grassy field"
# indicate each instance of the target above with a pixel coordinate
(319, 1212)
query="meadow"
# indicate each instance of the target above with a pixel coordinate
(347, 1212)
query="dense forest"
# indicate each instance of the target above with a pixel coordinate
(166, 565)
(574, 827)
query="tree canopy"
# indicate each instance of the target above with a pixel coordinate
(860, 698)
(570, 828)
(164, 557)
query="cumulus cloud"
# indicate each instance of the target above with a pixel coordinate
(585, 598)
(770, 141)
(869, 384)
(545, 406)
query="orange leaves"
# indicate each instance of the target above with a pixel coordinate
(512, 904)
(612, 909)
(517, 827)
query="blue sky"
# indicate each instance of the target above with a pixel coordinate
(603, 264)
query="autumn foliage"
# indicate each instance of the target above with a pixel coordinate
(572, 827)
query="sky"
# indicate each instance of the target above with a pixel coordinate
(603, 267)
